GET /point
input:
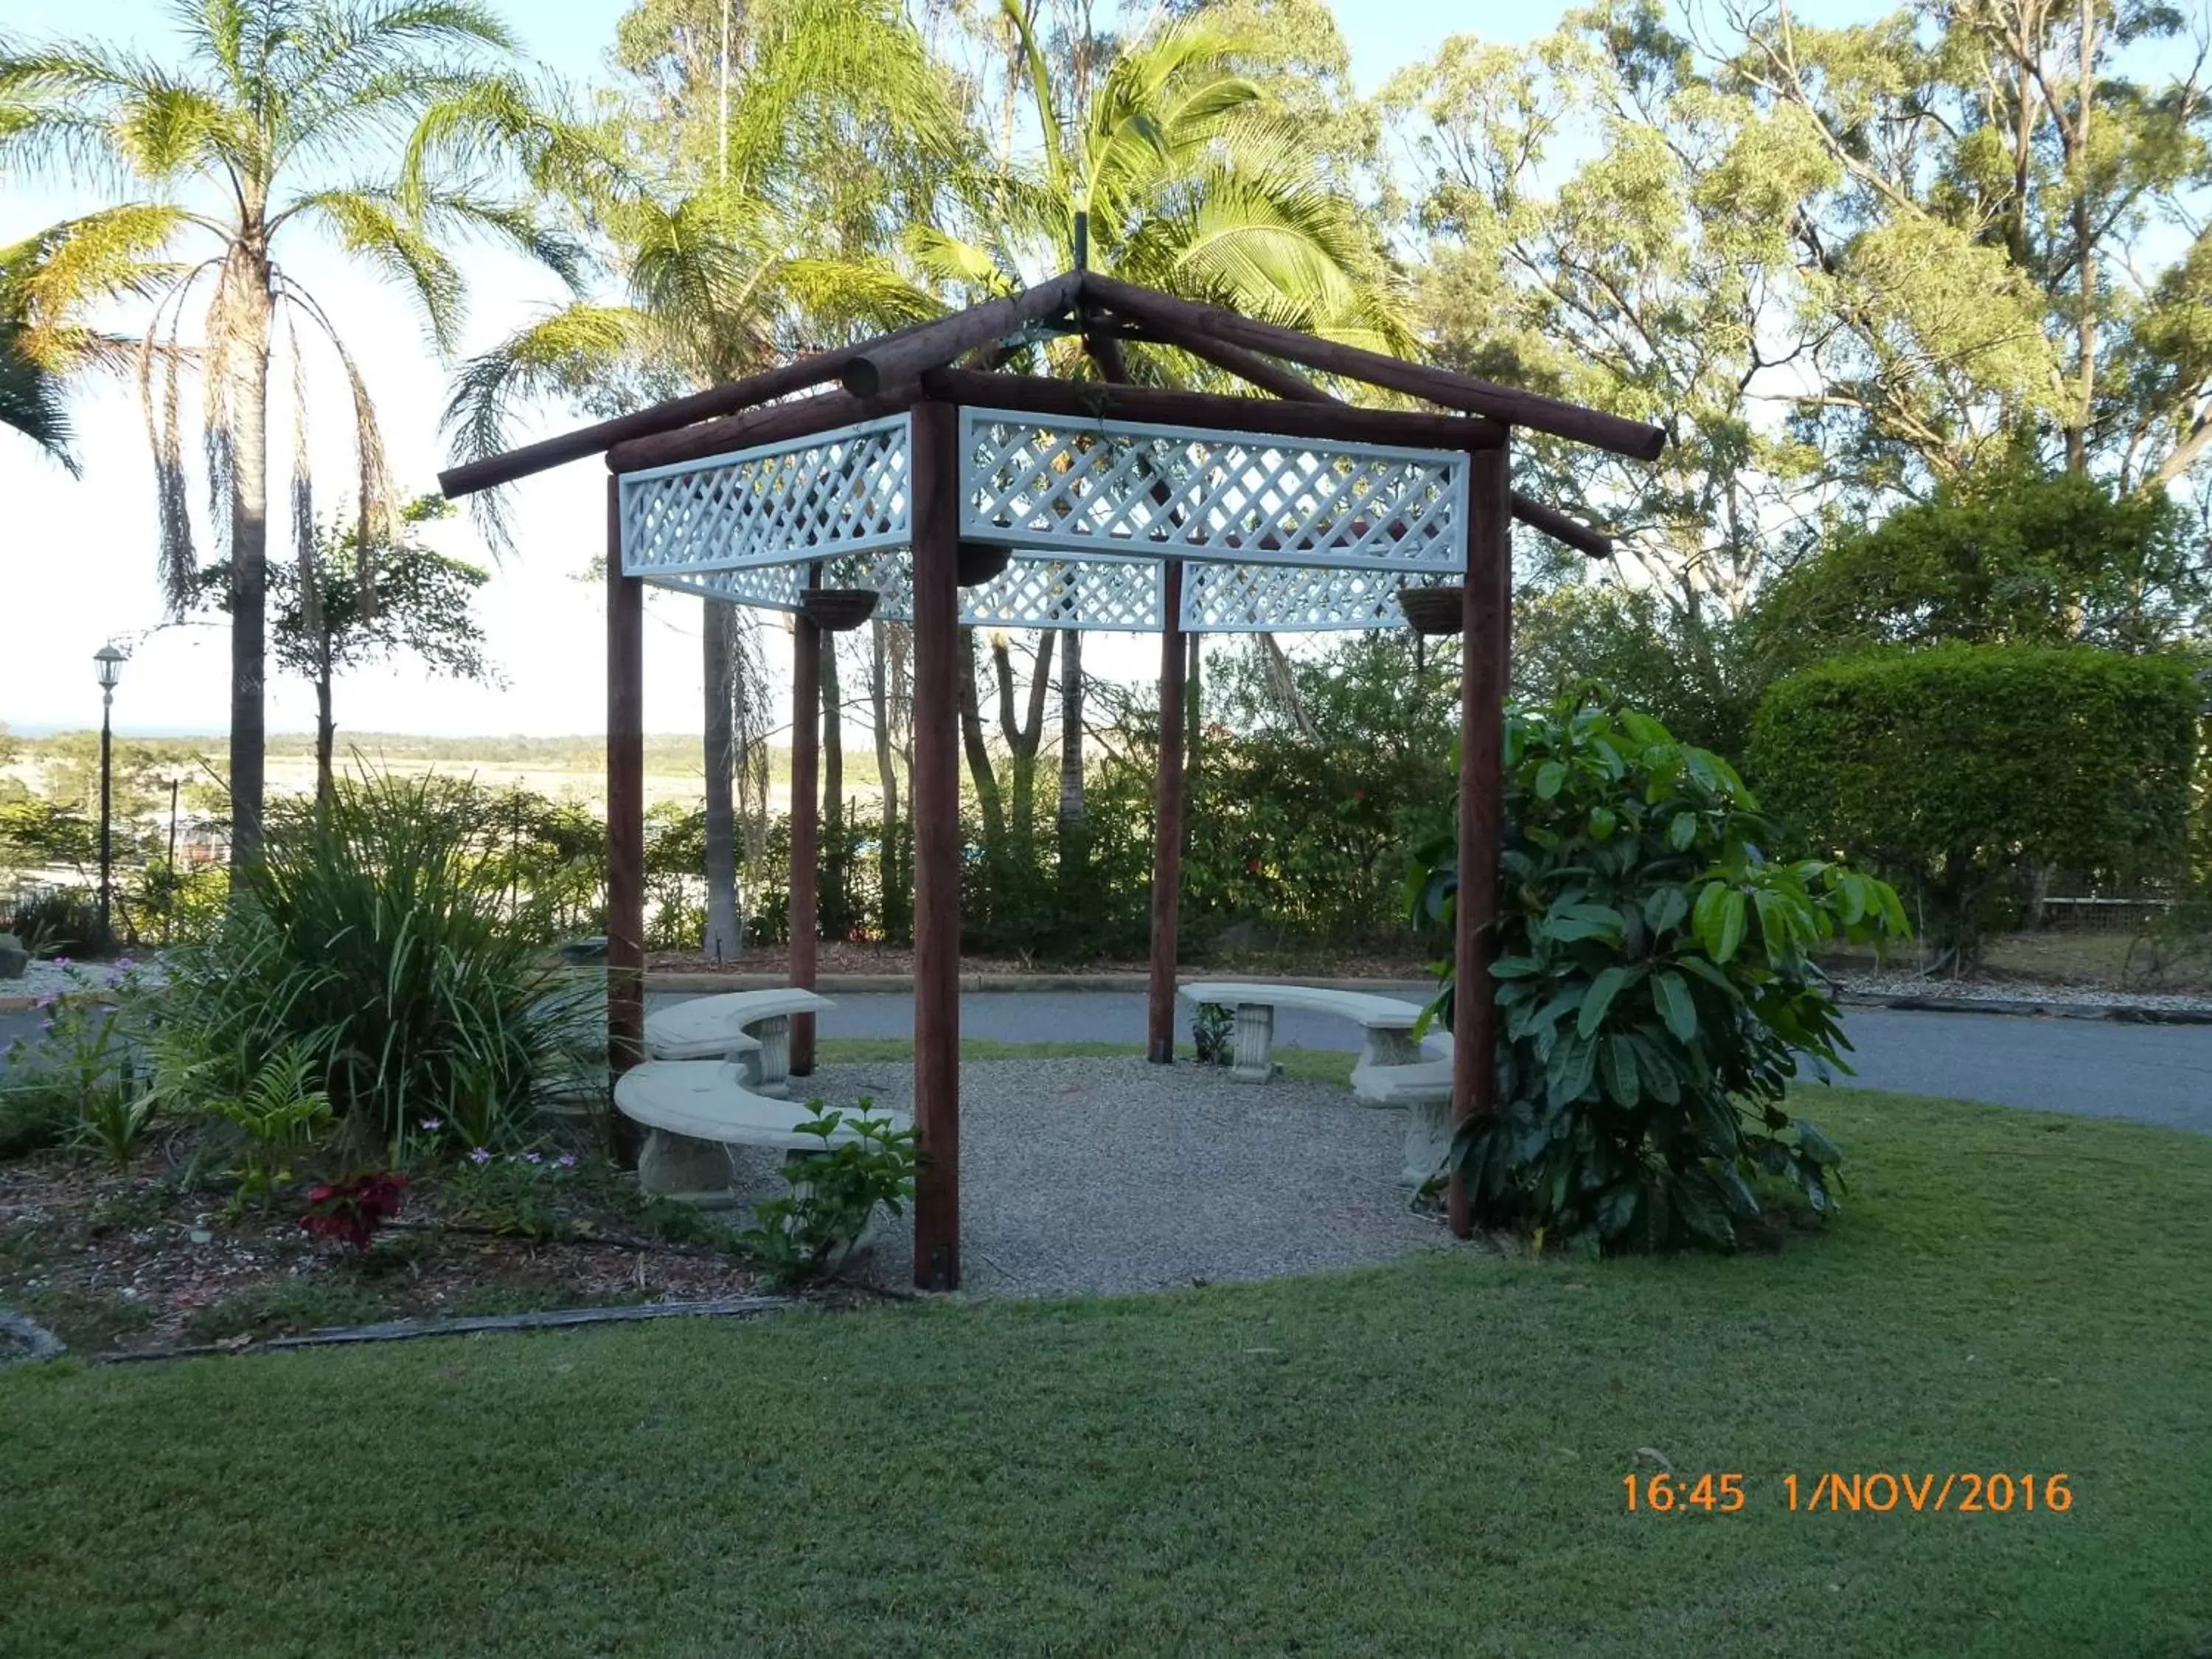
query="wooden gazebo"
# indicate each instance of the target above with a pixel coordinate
(955, 493)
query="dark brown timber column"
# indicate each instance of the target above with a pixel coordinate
(625, 825)
(806, 822)
(934, 465)
(1167, 830)
(1484, 645)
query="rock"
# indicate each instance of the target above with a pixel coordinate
(15, 960)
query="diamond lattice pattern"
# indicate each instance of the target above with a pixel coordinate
(1116, 486)
(836, 493)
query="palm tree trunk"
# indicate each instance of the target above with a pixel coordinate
(247, 439)
(326, 731)
(836, 865)
(722, 941)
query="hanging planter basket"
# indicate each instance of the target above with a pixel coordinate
(976, 562)
(840, 610)
(1432, 610)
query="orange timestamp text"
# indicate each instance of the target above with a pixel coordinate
(1876, 1491)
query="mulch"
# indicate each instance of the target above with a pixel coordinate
(116, 1261)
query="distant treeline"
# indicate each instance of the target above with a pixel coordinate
(665, 753)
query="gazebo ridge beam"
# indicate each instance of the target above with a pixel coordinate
(1104, 400)
(918, 344)
(1190, 324)
(899, 360)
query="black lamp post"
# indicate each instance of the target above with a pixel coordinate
(109, 662)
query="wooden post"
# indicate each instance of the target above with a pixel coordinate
(625, 825)
(1167, 830)
(806, 822)
(934, 478)
(1484, 645)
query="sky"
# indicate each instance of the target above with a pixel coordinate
(77, 557)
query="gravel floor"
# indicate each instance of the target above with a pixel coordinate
(1114, 1175)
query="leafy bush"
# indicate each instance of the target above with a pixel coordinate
(278, 1111)
(375, 934)
(1954, 771)
(353, 1210)
(80, 1079)
(808, 1233)
(1654, 990)
(1213, 1034)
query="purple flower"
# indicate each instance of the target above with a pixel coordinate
(530, 1157)
(124, 962)
(480, 1157)
(566, 1161)
(46, 1001)
(45, 1025)
(432, 1125)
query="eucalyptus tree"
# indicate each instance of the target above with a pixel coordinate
(1187, 170)
(378, 125)
(761, 223)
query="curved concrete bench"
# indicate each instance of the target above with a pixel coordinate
(1424, 1088)
(695, 1110)
(752, 1026)
(1387, 1022)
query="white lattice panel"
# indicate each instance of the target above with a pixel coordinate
(1120, 486)
(837, 492)
(1123, 595)
(1244, 599)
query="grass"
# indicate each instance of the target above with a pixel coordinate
(1424, 1458)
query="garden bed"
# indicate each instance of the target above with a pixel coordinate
(150, 1257)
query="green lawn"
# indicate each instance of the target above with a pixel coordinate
(1421, 1459)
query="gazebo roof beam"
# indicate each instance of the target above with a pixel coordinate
(1187, 324)
(879, 365)
(1573, 532)
(732, 396)
(1101, 400)
(801, 417)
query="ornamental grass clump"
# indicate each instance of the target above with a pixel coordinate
(1655, 990)
(374, 935)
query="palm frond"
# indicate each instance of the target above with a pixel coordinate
(31, 396)
(561, 356)
(369, 224)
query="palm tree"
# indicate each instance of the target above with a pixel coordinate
(30, 394)
(371, 122)
(1185, 173)
(831, 135)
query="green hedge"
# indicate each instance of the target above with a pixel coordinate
(1952, 771)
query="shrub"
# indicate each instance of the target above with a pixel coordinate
(374, 934)
(351, 1211)
(1954, 771)
(808, 1233)
(79, 1080)
(1213, 1034)
(1654, 990)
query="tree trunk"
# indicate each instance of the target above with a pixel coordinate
(248, 445)
(325, 731)
(1190, 726)
(971, 739)
(836, 865)
(895, 912)
(724, 939)
(1025, 737)
(1071, 734)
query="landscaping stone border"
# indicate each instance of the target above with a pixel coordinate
(404, 1330)
(43, 1343)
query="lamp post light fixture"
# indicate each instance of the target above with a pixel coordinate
(108, 660)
